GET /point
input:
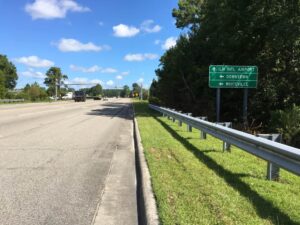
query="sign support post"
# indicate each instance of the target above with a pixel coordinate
(245, 107)
(225, 76)
(218, 106)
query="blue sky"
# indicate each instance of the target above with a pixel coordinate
(114, 42)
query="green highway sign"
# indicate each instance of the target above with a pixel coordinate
(224, 76)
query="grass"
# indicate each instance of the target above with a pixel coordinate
(195, 182)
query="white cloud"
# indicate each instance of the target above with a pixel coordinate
(119, 77)
(92, 69)
(125, 73)
(53, 9)
(140, 81)
(109, 70)
(123, 30)
(140, 57)
(33, 74)
(134, 57)
(157, 42)
(77, 80)
(34, 61)
(169, 43)
(110, 83)
(96, 81)
(72, 45)
(100, 23)
(83, 81)
(150, 56)
(149, 27)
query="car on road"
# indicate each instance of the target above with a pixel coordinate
(97, 97)
(68, 96)
(79, 96)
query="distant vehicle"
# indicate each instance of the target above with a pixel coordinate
(79, 96)
(68, 96)
(97, 97)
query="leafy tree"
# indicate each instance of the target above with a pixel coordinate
(188, 13)
(111, 92)
(71, 89)
(125, 91)
(26, 88)
(287, 122)
(136, 87)
(154, 88)
(96, 90)
(2, 85)
(234, 33)
(145, 94)
(9, 72)
(93, 91)
(54, 77)
(34, 92)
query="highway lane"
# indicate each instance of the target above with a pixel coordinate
(67, 163)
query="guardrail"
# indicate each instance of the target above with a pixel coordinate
(280, 155)
(11, 100)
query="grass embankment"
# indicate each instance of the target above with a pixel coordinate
(196, 183)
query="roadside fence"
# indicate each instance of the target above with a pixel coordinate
(11, 100)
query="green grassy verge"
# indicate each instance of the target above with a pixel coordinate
(196, 183)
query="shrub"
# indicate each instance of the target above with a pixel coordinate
(154, 100)
(287, 122)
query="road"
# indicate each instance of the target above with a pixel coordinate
(67, 163)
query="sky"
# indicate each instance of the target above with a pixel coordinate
(114, 43)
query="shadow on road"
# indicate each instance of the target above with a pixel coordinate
(112, 110)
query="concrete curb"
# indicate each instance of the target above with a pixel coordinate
(146, 202)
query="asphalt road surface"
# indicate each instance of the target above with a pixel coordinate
(67, 163)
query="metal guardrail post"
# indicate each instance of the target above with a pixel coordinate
(189, 127)
(168, 116)
(226, 145)
(202, 133)
(173, 118)
(272, 168)
(179, 121)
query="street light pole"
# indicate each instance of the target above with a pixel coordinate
(141, 91)
(55, 89)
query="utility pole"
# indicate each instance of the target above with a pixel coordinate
(141, 91)
(55, 89)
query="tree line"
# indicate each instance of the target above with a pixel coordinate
(265, 34)
(55, 84)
